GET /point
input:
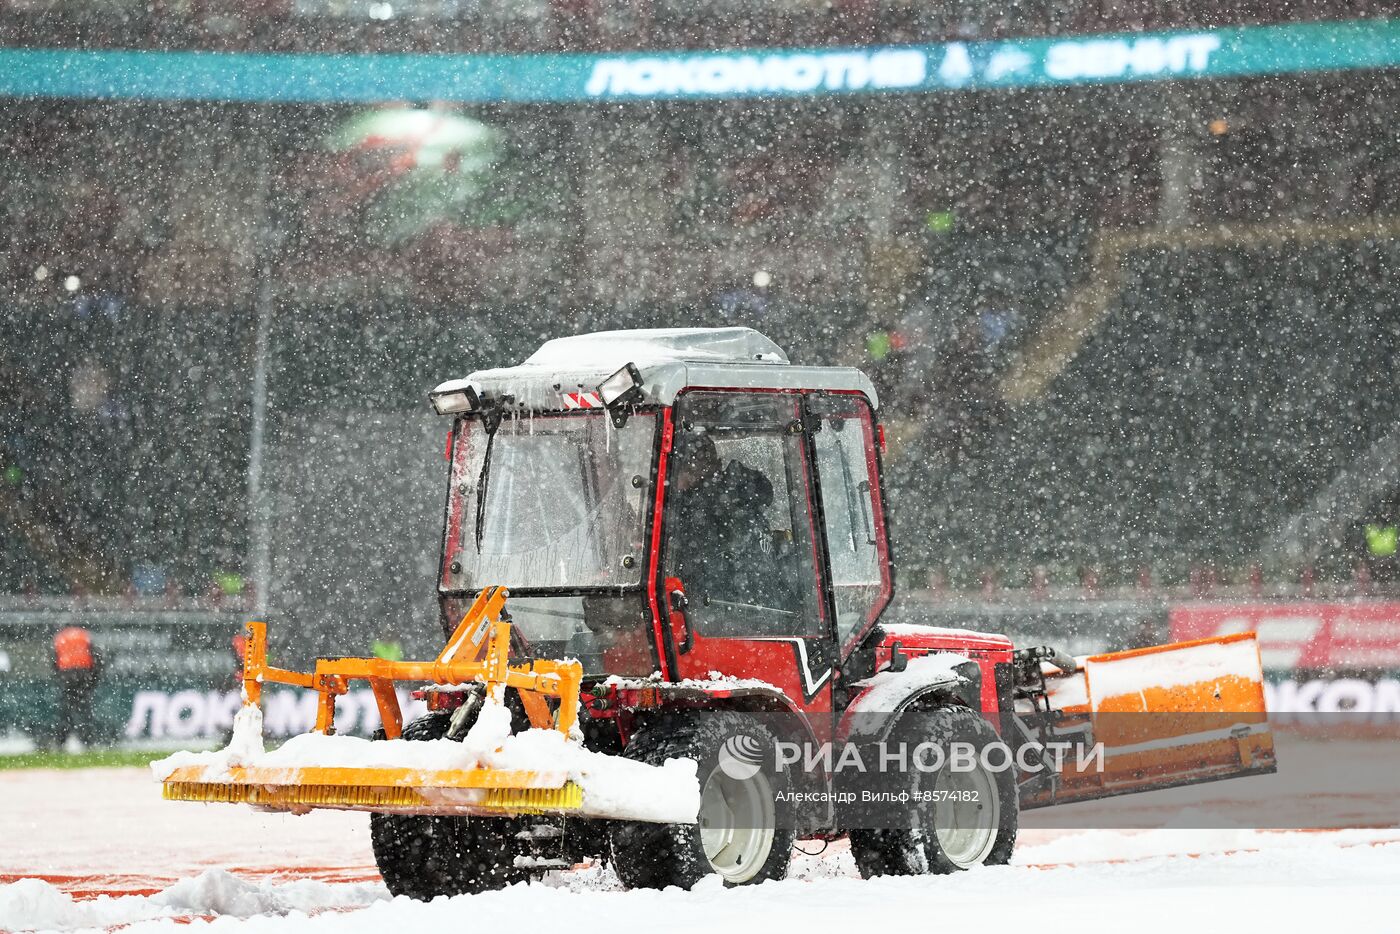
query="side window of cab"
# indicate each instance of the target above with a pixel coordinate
(852, 511)
(738, 516)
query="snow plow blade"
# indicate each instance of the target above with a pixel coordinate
(1153, 718)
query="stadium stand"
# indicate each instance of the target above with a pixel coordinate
(588, 25)
(1198, 404)
(124, 463)
(1226, 385)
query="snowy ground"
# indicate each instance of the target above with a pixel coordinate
(99, 849)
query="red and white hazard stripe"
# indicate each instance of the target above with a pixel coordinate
(582, 400)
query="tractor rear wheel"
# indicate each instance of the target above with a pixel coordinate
(424, 857)
(739, 834)
(972, 817)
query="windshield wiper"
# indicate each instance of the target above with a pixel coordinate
(490, 424)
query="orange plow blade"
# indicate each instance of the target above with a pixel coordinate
(1157, 717)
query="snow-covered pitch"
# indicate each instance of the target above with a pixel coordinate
(98, 849)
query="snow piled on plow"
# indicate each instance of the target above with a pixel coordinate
(612, 786)
(245, 747)
(1170, 666)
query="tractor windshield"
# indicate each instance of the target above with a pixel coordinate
(549, 502)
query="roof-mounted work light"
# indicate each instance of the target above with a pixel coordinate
(620, 390)
(455, 398)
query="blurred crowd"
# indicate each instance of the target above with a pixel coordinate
(587, 25)
(737, 205)
(926, 240)
(1227, 390)
(123, 446)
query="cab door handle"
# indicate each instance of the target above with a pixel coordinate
(676, 604)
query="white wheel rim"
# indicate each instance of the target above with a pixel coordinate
(736, 824)
(966, 815)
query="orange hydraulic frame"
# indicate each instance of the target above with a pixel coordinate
(478, 651)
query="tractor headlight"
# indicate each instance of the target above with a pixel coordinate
(622, 388)
(454, 399)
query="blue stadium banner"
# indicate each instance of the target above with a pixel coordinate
(752, 73)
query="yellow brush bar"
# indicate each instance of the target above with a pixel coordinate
(359, 777)
(535, 800)
(503, 800)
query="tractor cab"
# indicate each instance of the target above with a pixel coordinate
(679, 501)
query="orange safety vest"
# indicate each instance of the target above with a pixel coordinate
(72, 648)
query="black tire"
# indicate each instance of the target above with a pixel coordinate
(424, 857)
(654, 856)
(919, 849)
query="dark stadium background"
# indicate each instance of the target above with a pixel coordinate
(1136, 341)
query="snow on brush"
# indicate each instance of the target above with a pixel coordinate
(612, 786)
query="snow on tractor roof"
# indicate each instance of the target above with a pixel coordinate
(610, 350)
(669, 359)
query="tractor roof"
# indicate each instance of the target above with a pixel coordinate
(670, 360)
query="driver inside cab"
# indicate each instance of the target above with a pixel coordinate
(725, 550)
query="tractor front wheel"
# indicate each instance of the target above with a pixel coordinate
(972, 813)
(424, 856)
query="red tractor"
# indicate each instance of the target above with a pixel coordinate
(701, 525)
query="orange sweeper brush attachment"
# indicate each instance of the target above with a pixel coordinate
(477, 652)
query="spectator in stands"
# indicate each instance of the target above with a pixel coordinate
(239, 644)
(998, 320)
(742, 305)
(964, 404)
(1382, 544)
(576, 23)
(78, 667)
(387, 647)
(226, 585)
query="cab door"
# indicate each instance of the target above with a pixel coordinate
(853, 512)
(742, 561)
